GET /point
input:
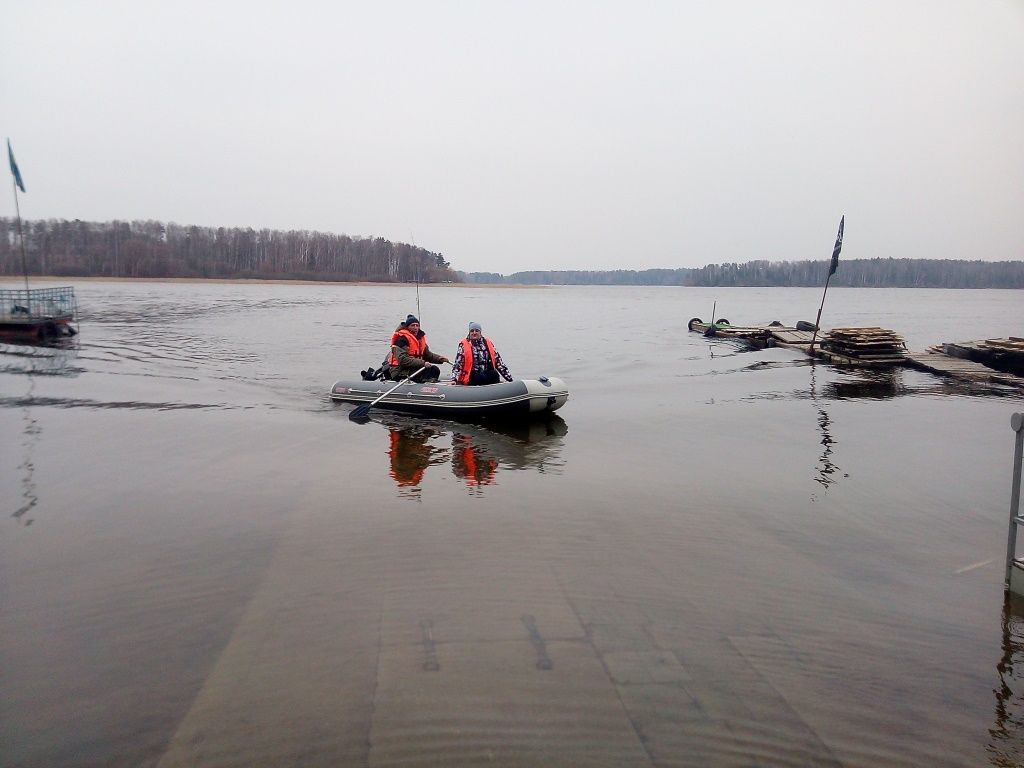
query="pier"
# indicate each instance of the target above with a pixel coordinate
(993, 361)
(935, 360)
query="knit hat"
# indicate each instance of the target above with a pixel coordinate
(475, 327)
(411, 319)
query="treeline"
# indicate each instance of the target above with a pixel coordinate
(157, 249)
(610, 277)
(856, 273)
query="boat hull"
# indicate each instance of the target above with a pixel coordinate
(35, 330)
(521, 398)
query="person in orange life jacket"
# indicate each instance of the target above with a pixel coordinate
(477, 361)
(409, 353)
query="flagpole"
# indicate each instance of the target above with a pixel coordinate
(817, 320)
(831, 271)
(17, 182)
(20, 237)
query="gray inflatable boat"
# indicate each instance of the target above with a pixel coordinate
(517, 398)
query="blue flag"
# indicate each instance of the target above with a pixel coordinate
(14, 168)
(837, 248)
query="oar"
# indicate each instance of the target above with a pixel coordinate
(361, 413)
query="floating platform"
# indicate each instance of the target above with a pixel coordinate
(791, 337)
(867, 347)
(772, 334)
(1006, 355)
(998, 361)
(37, 314)
(722, 330)
(936, 360)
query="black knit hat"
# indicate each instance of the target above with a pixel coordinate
(411, 319)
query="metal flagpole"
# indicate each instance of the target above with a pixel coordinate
(831, 271)
(17, 182)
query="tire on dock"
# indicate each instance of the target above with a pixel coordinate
(802, 325)
(693, 321)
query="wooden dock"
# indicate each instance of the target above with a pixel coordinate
(1005, 355)
(790, 337)
(769, 335)
(735, 332)
(935, 360)
(866, 347)
(875, 347)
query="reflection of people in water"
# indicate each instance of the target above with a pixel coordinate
(411, 454)
(471, 463)
(476, 452)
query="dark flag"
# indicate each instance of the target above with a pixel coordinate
(14, 168)
(838, 247)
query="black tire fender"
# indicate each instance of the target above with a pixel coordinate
(693, 321)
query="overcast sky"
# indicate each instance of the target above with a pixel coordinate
(533, 135)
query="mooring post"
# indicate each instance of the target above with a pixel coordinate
(1017, 424)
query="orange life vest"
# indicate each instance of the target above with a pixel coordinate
(416, 345)
(468, 360)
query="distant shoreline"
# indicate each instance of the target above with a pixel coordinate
(11, 279)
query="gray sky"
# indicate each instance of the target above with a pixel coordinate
(533, 135)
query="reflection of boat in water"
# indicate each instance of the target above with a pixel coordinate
(476, 453)
(512, 399)
(37, 314)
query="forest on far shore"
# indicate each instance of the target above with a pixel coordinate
(856, 273)
(146, 249)
(157, 249)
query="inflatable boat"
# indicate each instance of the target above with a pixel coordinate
(516, 398)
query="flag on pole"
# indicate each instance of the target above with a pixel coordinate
(836, 249)
(14, 167)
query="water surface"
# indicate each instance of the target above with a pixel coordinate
(711, 557)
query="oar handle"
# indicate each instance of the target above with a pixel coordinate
(407, 378)
(360, 413)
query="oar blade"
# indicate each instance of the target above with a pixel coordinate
(360, 414)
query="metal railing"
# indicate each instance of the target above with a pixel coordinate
(1017, 424)
(38, 304)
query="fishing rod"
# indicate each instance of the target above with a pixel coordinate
(418, 314)
(417, 274)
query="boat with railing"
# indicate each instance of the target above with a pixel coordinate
(38, 314)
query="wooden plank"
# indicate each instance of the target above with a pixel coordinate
(1011, 346)
(867, 345)
(878, 357)
(840, 359)
(961, 368)
(794, 337)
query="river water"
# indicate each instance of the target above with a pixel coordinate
(710, 557)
